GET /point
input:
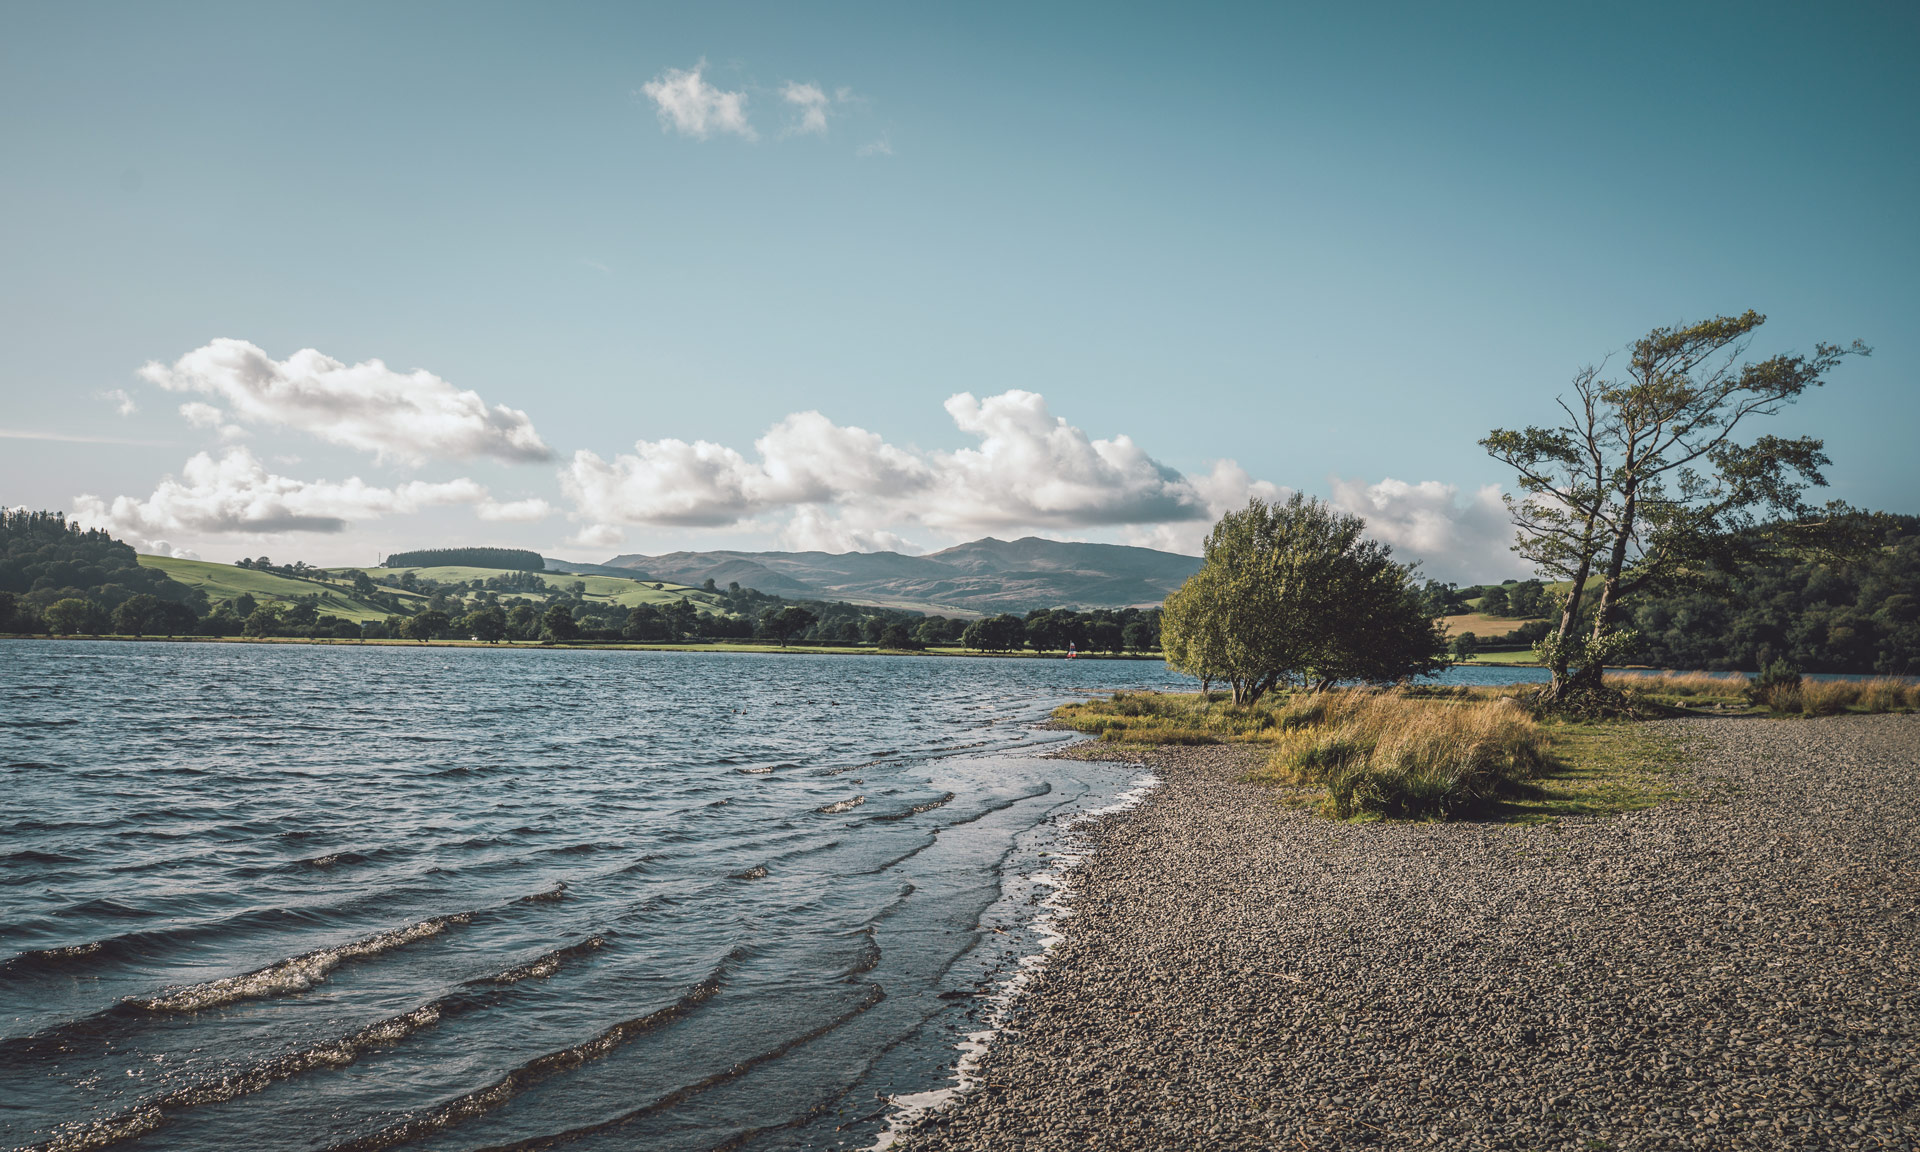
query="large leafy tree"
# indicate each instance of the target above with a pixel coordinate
(1646, 483)
(1293, 593)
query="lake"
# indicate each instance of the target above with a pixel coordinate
(267, 896)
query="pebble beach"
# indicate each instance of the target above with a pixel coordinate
(1738, 969)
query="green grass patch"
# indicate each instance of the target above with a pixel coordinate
(1597, 770)
(225, 582)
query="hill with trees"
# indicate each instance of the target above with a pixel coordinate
(982, 576)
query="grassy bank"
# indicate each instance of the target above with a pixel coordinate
(1396, 755)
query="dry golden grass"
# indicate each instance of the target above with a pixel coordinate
(1393, 755)
(1728, 685)
(1832, 697)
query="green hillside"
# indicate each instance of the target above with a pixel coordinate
(617, 589)
(224, 582)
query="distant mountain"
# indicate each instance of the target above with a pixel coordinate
(983, 576)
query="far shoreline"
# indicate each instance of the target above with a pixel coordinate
(753, 649)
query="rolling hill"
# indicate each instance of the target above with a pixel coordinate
(985, 575)
(227, 581)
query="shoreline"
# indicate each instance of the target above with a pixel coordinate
(1741, 969)
(756, 649)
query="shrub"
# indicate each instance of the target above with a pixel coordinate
(1393, 756)
(1777, 687)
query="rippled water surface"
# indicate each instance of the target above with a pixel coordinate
(304, 897)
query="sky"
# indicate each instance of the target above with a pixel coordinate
(325, 282)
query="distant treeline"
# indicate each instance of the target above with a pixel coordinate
(1857, 615)
(509, 559)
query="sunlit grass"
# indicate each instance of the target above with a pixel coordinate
(1421, 753)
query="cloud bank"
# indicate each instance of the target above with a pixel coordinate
(845, 488)
(410, 416)
(236, 494)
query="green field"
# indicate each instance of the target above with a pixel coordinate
(617, 589)
(1519, 656)
(224, 582)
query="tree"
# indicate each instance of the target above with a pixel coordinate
(1106, 636)
(1045, 631)
(896, 636)
(428, 626)
(1002, 633)
(262, 621)
(66, 617)
(135, 613)
(787, 622)
(1645, 486)
(488, 624)
(559, 623)
(1291, 592)
(647, 624)
(1143, 634)
(244, 605)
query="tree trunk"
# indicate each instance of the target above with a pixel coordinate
(1558, 683)
(1591, 675)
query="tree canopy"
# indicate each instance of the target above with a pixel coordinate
(1293, 593)
(510, 559)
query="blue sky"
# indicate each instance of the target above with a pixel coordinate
(1332, 247)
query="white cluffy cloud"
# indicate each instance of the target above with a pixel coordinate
(407, 416)
(692, 107)
(845, 488)
(1456, 540)
(812, 105)
(123, 401)
(236, 494)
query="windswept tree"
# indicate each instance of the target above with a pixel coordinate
(1293, 593)
(1646, 485)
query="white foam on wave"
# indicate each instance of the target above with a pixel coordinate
(295, 975)
(908, 1109)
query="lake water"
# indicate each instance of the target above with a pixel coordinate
(308, 897)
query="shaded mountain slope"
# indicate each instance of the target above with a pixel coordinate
(986, 575)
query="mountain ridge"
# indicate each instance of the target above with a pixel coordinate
(981, 576)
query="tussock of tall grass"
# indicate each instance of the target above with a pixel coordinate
(1393, 755)
(1832, 697)
(1725, 685)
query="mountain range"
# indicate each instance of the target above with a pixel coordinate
(983, 576)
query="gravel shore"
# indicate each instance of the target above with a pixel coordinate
(1739, 970)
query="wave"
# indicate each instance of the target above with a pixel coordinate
(916, 809)
(757, 872)
(541, 967)
(873, 995)
(150, 1114)
(483, 1100)
(296, 975)
(31, 856)
(842, 806)
(762, 770)
(332, 859)
(552, 895)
